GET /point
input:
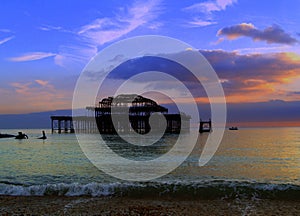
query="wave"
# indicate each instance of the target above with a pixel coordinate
(217, 189)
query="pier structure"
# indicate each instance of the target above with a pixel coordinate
(205, 126)
(132, 113)
(62, 124)
(85, 124)
(123, 114)
(67, 124)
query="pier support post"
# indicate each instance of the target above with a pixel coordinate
(59, 126)
(52, 129)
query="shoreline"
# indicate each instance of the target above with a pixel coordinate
(84, 205)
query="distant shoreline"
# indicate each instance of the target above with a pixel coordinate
(244, 125)
(264, 114)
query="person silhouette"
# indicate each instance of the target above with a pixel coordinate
(44, 136)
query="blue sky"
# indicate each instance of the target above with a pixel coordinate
(44, 45)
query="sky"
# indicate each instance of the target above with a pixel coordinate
(254, 46)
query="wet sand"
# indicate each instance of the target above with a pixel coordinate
(55, 205)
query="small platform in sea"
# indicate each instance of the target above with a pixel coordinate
(205, 126)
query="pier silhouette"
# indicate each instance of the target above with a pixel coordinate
(137, 108)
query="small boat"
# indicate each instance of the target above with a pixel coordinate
(233, 128)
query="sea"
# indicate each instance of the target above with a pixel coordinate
(250, 163)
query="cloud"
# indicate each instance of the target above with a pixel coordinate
(49, 28)
(155, 25)
(32, 56)
(54, 28)
(258, 76)
(35, 96)
(89, 37)
(103, 30)
(42, 82)
(272, 34)
(71, 56)
(210, 6)
(265, 49)
(199, 22)
(6, 39)
(107, 29)
(206, 9)
(245, 77)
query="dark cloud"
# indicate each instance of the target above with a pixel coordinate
(139, 65)
(272, 34)
(136, 66)
(272, 66)
(259, 66)
(252, 73)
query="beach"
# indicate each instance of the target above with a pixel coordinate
(55, 205)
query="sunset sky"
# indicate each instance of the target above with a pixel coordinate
(44, 45)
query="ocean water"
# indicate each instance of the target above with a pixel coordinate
(250, 162)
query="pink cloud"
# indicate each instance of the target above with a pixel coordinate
(35, 96)
(199, 22)
(32, 56)
(206, 9)
(107, 29)
(42, 82)
(210, 6)
(6, 40)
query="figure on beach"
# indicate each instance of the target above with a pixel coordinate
(44, 136)
(21, 136)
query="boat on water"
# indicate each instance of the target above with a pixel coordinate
(233, 128)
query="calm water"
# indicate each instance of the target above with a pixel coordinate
(252, 161)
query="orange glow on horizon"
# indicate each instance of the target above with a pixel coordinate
(291, 56)
(265, 124)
